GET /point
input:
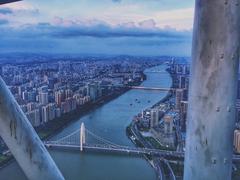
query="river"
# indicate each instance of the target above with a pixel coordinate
(108, 121)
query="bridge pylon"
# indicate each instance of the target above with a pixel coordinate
(82, 136)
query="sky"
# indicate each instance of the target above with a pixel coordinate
(112, 27)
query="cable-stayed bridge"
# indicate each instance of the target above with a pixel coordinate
(77, 140)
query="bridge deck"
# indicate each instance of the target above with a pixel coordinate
(151, 88)
(123, 150)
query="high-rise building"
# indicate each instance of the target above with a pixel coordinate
(1, 71)
(24, 107)
(238, 89)
(183, 115)
(238, 111)
(183, 82)
(179, 98)
(32, 96)
(25, 96)
(43, 98)
(18, 79)
(236, 142)
(31, 106)
(45, 78)
(51, 111)
(44, 114)
(48, 112)
(185, 95)
(93, 91)
(168, 124)
(20, 90)
(43, 89)
(154, 118)
(68, 93)
(238, 102)
(58, 112)
(59, 97)
(179, 69)
(34, 117)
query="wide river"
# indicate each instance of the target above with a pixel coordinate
(108, 121)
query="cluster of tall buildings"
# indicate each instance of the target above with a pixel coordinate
(166, 121)
(48, 104)
(156, 113)
(159, 113)
(173, 123)
(46, 91)
(163, 127)
(180, 73)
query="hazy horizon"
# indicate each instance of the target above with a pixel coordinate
(111, 27)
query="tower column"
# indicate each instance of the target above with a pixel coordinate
(213, 87)
(23, 141)
(82, 136)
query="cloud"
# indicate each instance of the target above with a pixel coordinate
(62, 28)
(102, 31)
(128, 25)
(17, 16)
(19, 9)
(123, 26)
(58, 30)
(95, 38)
(5, 11)
(27, 12)
(148, 24)
(116, 1)
(3, 22)
(98, 31)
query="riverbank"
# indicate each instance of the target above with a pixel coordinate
(56, 125)
(135, 136)
(109, 122)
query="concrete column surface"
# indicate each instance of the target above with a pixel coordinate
(212, 93)
(23, 141)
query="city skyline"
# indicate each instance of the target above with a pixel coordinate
(91, 27)
(115, 77)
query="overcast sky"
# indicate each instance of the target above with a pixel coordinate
(131, 27)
